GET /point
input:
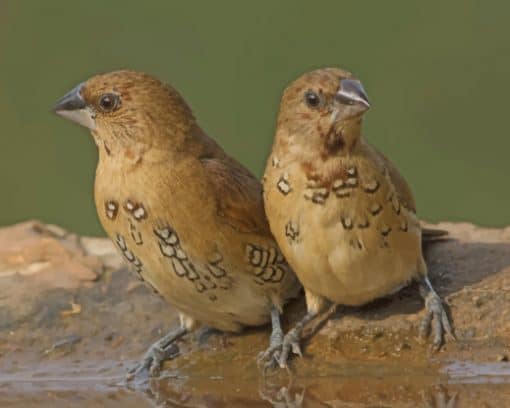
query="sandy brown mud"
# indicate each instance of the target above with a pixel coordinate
(73, 320)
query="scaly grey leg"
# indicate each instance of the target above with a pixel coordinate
(291, 341)
(435, 316)
(280, 348)
(270, 356)
(160, 351)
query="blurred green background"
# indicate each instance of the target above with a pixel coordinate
(436, 73)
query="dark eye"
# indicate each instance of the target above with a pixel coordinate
(312, 99)
(109, 102)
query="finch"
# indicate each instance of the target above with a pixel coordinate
(187, 217)
(343, 216)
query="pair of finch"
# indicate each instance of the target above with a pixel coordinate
(333, 214)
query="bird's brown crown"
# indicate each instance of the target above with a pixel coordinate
(131, 104)
(321, 112)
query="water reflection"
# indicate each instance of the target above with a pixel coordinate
(436, 397)
(377, 390)
(459, 384)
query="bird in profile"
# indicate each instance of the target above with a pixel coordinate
(343, 216)
(187, 217)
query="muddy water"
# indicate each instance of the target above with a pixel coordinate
(458, 384)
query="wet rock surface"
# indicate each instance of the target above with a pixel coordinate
(73, 319)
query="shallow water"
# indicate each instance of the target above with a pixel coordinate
(458, 384)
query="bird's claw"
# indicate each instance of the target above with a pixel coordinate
(437, 319)
(290, 343)
(278, 354)
(153, 360)
(268, 359)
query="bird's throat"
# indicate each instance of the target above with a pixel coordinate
(342, 137)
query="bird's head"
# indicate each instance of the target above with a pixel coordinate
(323, 110)
(126, 107)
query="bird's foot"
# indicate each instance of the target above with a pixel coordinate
(268, 358)
(290, 344)
(164, 349)
(153, 360)
(435, 319)
(278, 352)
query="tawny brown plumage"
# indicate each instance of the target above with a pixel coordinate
(342, 214)
(188, 218)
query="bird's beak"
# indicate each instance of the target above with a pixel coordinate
(351, 92)
(72, 106)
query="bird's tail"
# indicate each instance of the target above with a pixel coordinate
(434, 234)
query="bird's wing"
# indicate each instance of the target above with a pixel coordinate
(406, 197)
(238, 195)
(403, 189)
(240, 205)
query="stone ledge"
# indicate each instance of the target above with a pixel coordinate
(67, 301)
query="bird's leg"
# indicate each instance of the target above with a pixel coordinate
(292, 339)
(272, 354)
(435, 316)
(281, 346)
(315, 305)
(294, 336)
(276, 337)
(160, 351)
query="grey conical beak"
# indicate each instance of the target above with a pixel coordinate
(72, 106)
(351, 92)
